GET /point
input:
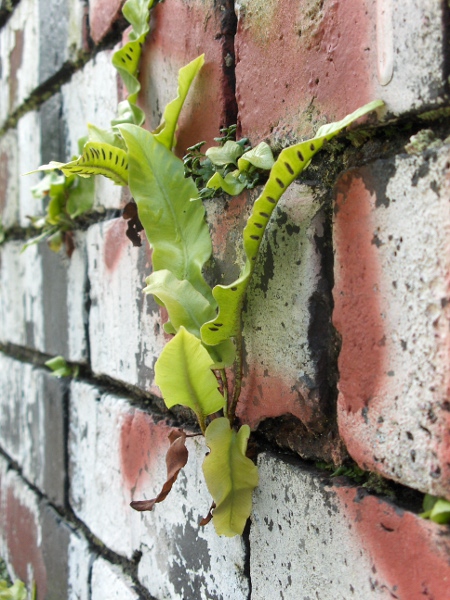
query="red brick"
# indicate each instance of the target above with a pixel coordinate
(102, 16)
(181, 31)
(410, 556)
(318, 61)
(392, 291)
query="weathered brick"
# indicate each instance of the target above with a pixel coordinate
(124, 325)
(117, 451)
(79, 568)
(318, 61)
(34, 539)
(32, 425)
(391, 238)
(91, 96)
(29, 159)
(61, 24)
(9, 179)
(312, 537)
(102, 16)
(19, 42)
(210, 104)
(42, 299)
(110, 583)
(286, 323)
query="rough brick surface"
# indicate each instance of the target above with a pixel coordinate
(62, 23)
(210, 104)
(29, 159)
(102, 16)
(20, 59)
(391, 308)
(109, 583)
(9, 179)
(329, 540)
(91, 96)
(124, 324)
(34, 539)
(318, 61)
(287, 316)
(32, 425)
(44, 307)
(180, 560)
(79, 568)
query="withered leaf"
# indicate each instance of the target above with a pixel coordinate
(130, 214)
(69, 242)
(209, 516)
(176, 458)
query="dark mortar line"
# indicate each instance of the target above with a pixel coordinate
(134, 395)
(66, 429)
(247, 561)
(82, 223)
(404, 497)
(228, 34)
(45, 90)
(70, 519)
(446, 44)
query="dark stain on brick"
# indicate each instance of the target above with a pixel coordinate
(4, 177)
(55, 544)
(377, 178)
(191, 562)
(15, 60)
(54, 291)
(54, 419)
(376, 241)
(422, 171)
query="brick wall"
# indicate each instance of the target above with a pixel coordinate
(346, 327)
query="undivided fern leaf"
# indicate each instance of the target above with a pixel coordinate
(230, 476)
(165, 133)
(185, 305)
(287, 167)
(174, 226)
(183, 373)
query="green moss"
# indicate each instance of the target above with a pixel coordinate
(438, 113)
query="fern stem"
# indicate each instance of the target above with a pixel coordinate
(238, 379)
(223, 378)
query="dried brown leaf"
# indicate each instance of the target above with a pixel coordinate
(209, 516)
(130, 214)
(176, 458)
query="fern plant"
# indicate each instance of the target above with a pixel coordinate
(193, 368)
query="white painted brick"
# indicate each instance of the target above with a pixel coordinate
(79, 565)
(312, 537)
(91, 96)
(124, 325)
(19, 43)
(21, 319)
(109, 583)
(9, 179)
(32, 421)
(392, 310)
(277, 320)
(300, 543)
(117, 453)
(412, 40)
(29, 159)
(42, 299)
